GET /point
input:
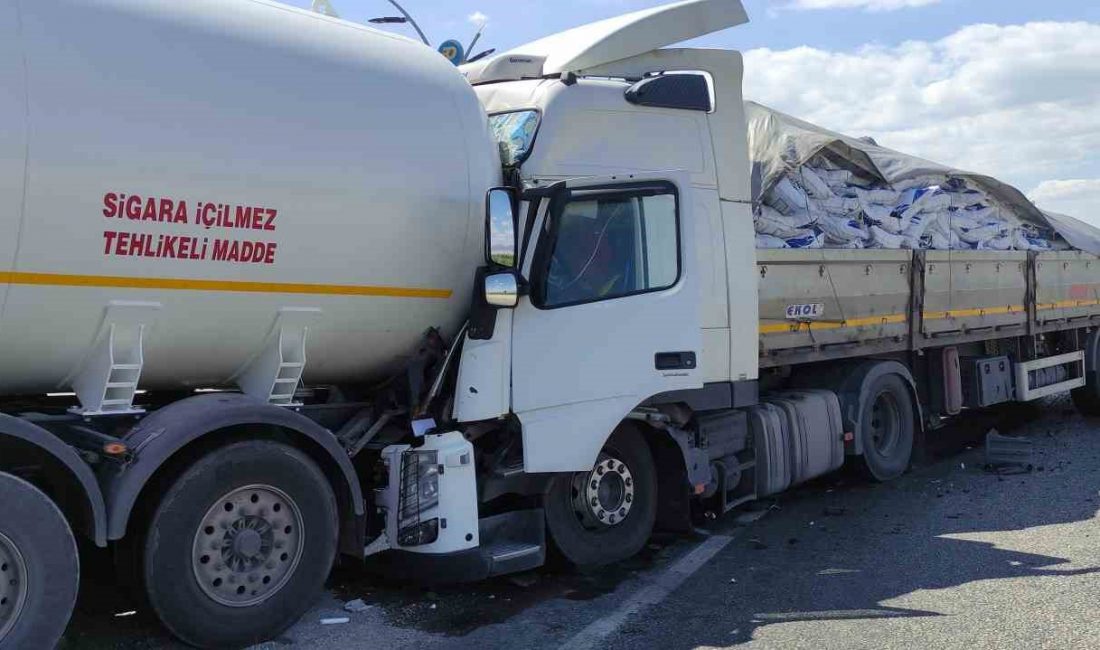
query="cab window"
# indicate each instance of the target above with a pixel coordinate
(610, 245)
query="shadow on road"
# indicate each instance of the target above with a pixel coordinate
(839, 550)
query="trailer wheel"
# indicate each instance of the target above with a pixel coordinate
(886, 428)
(606, 514)
(39, 567)
(241, 545)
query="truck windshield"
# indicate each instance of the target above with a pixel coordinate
(514, 132)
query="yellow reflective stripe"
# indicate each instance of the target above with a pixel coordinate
(187, 284)
(1067, 303)
(827, 325)
(980, 311)
(792, 327)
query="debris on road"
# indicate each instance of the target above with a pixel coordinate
(356, 606)
(524, 580)
(1007, 453)
(338, 620)
(749, 517)
(757, 544)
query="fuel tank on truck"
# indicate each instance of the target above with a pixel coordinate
(208, 175)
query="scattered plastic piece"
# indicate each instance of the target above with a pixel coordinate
(335, 621)
(356, 606)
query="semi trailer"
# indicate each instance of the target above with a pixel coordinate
(279, 288)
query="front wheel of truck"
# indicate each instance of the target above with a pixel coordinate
(241, 544)
(39, 567)
(607, 514)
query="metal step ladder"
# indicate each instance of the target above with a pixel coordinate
(106, 381)
(275, 371)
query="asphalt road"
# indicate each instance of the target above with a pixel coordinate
(949, 556)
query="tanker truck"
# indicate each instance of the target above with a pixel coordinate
(278, 288)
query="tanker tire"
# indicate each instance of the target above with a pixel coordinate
(887, 428)
(170, 572)
(586, 548)
(34, 531)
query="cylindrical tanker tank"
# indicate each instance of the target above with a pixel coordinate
(203, 169)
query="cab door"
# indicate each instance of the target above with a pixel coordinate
(611, 317)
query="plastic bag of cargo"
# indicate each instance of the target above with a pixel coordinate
(883, 239)
(932, 200)
(943, 242)
(968, 198)
(1002, 243)
(877, 214)
(835, 178)
(811, 239)
(889, 223)
(879, 196)
(920, 222)
(841, 206)
(770, 241)
(982, 234)
(1025, 242)
(841, 230)
(787, 198)
(813, 183)
(918, 182)
(772, 222)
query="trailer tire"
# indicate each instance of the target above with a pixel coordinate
(623, 484)
(887, 427)
(39, 566)
(241, 544)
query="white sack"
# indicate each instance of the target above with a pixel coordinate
(786, 197)
(772, 222)
(815, 186)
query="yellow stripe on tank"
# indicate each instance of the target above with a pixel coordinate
(188, 284)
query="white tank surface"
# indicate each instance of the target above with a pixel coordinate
(209, 174)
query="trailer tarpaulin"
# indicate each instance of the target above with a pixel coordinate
(815, 188)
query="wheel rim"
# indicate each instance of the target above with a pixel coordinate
(885, 424)
(13, 584)
(248, 545)
(603, 497)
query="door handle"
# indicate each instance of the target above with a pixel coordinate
(674, 360)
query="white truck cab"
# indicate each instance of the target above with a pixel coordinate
(612, 133)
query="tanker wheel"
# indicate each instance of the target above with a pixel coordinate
(887, 428)
(240, 546)
(606, 514)
(39, 567)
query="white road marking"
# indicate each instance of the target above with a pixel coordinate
(664, 584)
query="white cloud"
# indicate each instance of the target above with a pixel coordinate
(1077, 197)
(477, 18)
(1020, 102)
(868, 5)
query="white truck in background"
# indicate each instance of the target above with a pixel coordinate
(301, 306)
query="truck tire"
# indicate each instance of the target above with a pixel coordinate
(607, 514)
(241, 544)
(39, 567)
(887, 428)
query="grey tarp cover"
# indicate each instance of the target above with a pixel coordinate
(779, 143)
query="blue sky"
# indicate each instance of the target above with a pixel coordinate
(513, 22)
(1010, 88)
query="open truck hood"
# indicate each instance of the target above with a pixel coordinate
(609, 40)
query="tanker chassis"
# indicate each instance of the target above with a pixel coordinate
(561, 364)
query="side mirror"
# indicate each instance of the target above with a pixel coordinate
(502, 289)
(500, 227)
